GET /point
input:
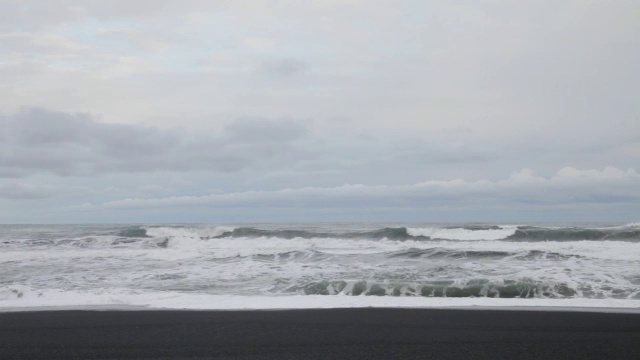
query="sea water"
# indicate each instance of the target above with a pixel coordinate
(217, 266)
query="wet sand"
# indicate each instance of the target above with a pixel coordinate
(369, 333)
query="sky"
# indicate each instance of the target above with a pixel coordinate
(319, 111)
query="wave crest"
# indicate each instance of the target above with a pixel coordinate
(205, 232)
(489, 233)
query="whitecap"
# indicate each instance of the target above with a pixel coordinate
(502, 232)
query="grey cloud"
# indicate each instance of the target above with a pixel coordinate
(38, 140)
(502, 70)
(284, 68)
(30, 14)
(56, 46)
(24, 191)
(256, 130)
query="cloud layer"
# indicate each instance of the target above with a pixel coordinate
(37, 140)
(567, 190)
(566, 186)
(165, 110)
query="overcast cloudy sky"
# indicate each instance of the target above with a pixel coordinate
(328, 110)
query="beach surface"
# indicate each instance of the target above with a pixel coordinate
(365, 333)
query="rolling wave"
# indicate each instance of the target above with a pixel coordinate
(467, 233)
(420, 261)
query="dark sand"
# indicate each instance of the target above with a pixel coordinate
(320, 334)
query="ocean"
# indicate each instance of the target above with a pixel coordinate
(208, 266)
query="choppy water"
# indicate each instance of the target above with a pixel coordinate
(108, 264)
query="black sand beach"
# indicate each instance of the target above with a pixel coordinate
(320, 334)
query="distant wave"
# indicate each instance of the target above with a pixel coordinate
(204, 232)
(630, 232)
(399, 233)
(194, 237)
(471, 233)
(540, 233)
(389, 233)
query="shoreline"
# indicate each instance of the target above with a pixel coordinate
(361, 333)
(126, 308)
(28, 299)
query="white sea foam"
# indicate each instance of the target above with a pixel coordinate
(634, 225)
(190, 246)
(627, 226)
(464, 234)
(190, 267)
(188, 232)
(14, 298)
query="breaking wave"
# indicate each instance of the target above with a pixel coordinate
(140, 263)
(470, 233)
(630, 232)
